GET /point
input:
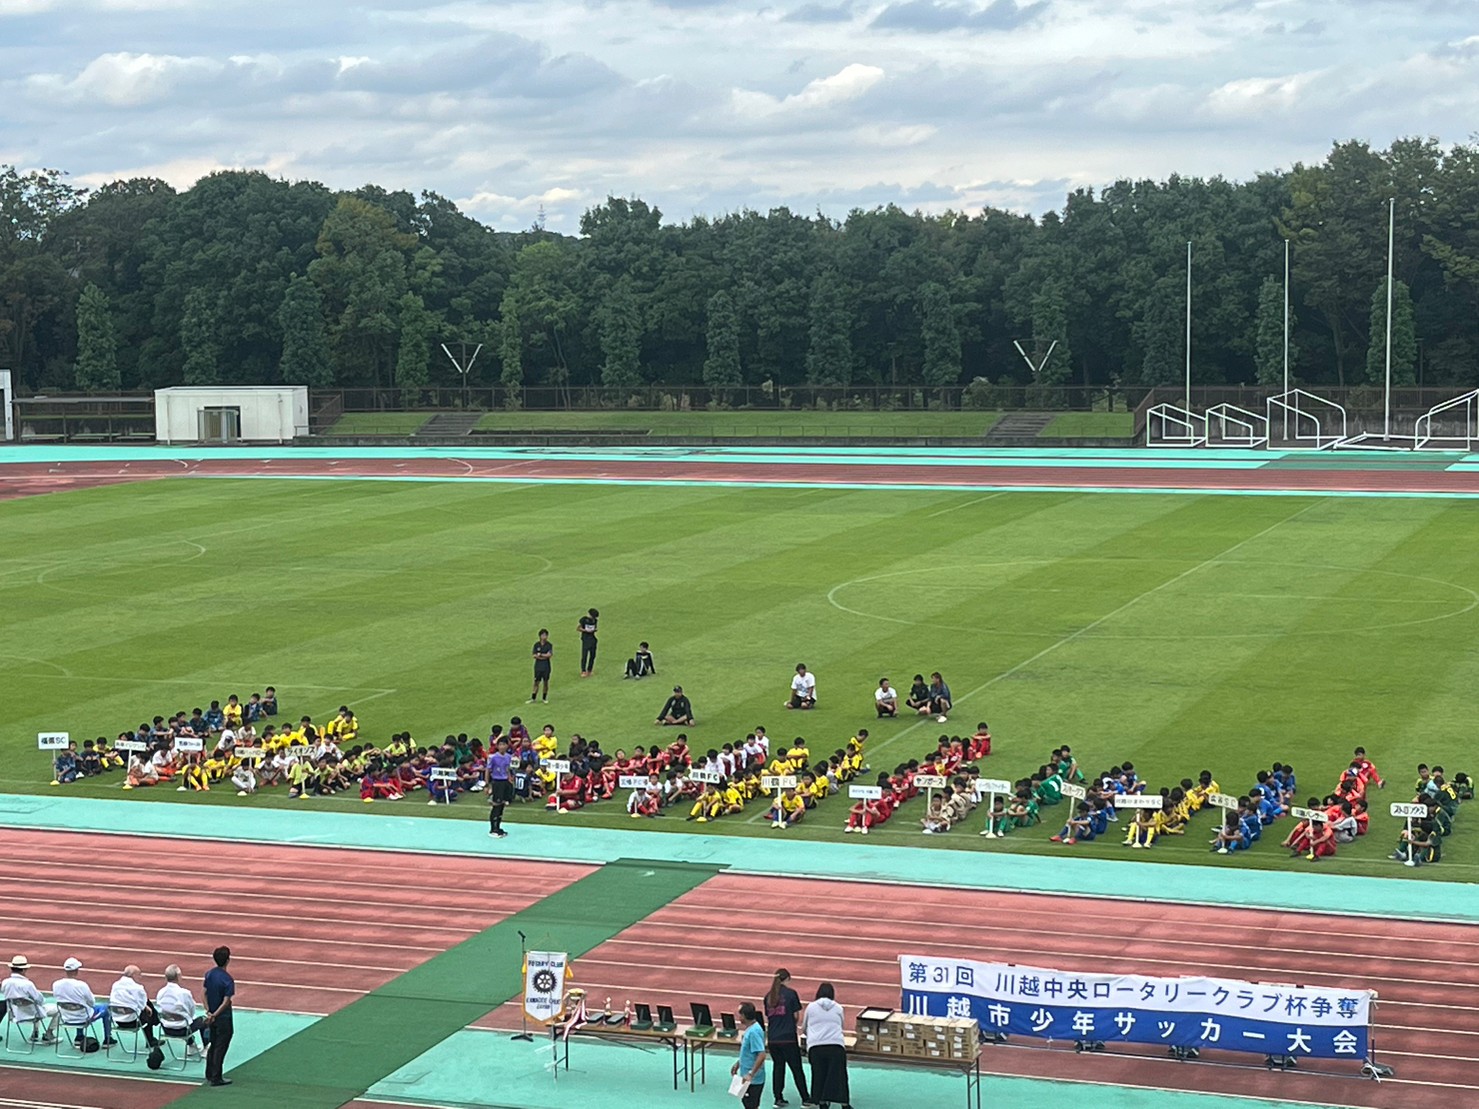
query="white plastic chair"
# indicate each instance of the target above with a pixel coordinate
(20, 1013)
(77, 1021)
(125, 1019)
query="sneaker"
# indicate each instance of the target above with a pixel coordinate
(941, 719)
(635, 815)
(987, 833)
(864, 829)
(1055, 839)
(241, 793)
(849, 829)
(1070, 841)
(180, 789)
(1310, 856)
(501, 834)
(1223, 851)
(776, 824)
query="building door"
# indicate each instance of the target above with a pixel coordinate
(220, 425)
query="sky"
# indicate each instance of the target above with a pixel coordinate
(708, 106)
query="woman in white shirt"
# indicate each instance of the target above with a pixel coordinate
(821, 1031)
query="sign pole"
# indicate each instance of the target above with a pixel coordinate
(991, 787)
(50, 742)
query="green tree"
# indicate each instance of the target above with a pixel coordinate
(1050, 333)
(97, 345)
(511, 353)
(198, 339)
(1158, 332)
(1269, 354)
(941, 337)
(1404, 337)
(413, 358)
(305, 342)
(722, 366)
(829, 334)
(621, 337)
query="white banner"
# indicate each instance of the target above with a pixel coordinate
(189, 744)
(544, 985)
(1408, 810)
(931, 781)
(52, 741)
(1139, 801)
(778, 781)
(1078, 793)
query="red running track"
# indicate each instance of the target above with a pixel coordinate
(22, 478)
(736, 930)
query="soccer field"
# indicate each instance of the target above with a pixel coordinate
(1179, 632)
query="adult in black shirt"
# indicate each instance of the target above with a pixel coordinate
(782, 1042)
(919, 696)
(587, 627)
(677, 710)
(543, 651)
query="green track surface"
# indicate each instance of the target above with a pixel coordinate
(745, 423)
(1174, 631)
(341, 1056)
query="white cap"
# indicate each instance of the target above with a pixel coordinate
(72, 964)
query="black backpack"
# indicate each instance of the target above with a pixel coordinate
(90, 1045)
(156, 1058)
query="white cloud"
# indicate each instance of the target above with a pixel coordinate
(703, 106)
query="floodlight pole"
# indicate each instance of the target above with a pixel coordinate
(1188, 326)
(463, 364)
(1391, 244)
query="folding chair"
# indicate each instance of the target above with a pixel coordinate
(125, 1019)
(21, 1013)
(77, 1021)
(176, 1029)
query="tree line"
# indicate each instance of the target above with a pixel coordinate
(244, 278)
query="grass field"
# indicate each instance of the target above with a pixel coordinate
(379, 423)
(749, 423)
(1180, 632)
(1092, 425)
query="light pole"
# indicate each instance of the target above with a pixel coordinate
(1188, 326)
(1391, 244)
(1286, 340)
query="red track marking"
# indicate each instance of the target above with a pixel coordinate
(311, 929)
(39, 1089)
(705, 469)
(1425, 973)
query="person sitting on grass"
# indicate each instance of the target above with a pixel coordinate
(1022, 812)
(1068, 768)
(89, 763)
(1344, 826)
(1366, 769)
(141, 771)
(679, 755)
(64, 765)
(1463, 786)
(1078, 826)
(885, 699)
(1420, 845)
(1297, 842)
(646, 800)
(111, 757)
(641, 664)
(214, 718)
(788, 809)
(940, 699)
(919, 696)
(961, 802)
(244, 778)
(937, 817)
(1205, 787)
(194, 776)
(997, 820)
(803, 689)
(1049, 787)
(1231, 835)
(980, 744)
(1141, 830)
(1321, 841)
(677, 710)
(1251, 820)
(865, 813)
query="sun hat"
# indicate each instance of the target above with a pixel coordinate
(19, 963)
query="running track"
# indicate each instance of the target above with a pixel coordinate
(313, 928)
(27, 478)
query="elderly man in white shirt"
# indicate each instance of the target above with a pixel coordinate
(128, 994)
(176, 1008)
(19, 988)
(73, 990)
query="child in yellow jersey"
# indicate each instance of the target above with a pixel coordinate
(798, 756)
(787, 809)
(216, 766)
(546, 744)
(709, 804)
(195, 775)
(731, 799)
(1141, 832)
(855, 746)
(1174, 815)
(1205, 787)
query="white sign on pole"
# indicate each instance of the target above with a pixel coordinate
(189, 744)
(1078, 793)
(544, 985)
(1407, 810)
(130, 745)
(52, 741)
(557, 766)
(931, 781)
(1314, 816)
(710, 777)
(1139, 801)
(777, 781)
(249, 754)
(865, 793)
(632, 781)
(1223, 800)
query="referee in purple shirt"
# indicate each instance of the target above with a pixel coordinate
(500, 786)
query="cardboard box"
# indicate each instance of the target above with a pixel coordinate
(890, 1047)
(872, 1020)
(913, 1049)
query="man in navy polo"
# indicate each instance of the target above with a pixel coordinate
(220, 988)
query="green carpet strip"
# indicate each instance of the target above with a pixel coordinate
(340, 1057)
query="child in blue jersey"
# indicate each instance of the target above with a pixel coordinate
(1252, 823)
(1232, 836)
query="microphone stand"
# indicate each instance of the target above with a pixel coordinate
(523, 1032)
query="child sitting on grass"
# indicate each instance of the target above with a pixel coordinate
(1078, 826)
(1231, 835)
(936, 818)
(787, 809)
(996, 819)
(1141, 832)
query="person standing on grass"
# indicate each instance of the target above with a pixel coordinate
(543, 652)
(821, 1027)
(782, 1039)
(500, 786)
(587, 628)
(751, 1063)
(220, 988)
